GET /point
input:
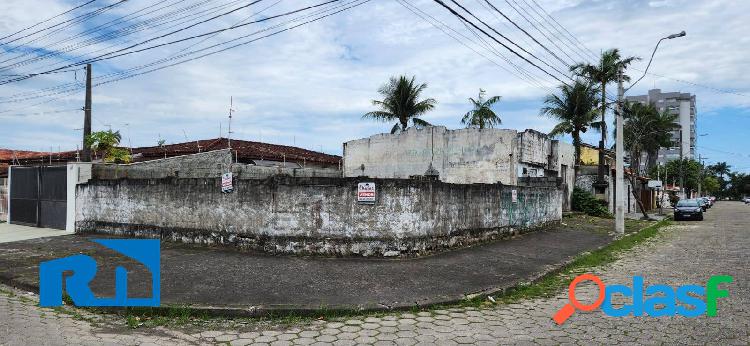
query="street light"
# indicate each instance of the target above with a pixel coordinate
(680, 34)
(620, 151)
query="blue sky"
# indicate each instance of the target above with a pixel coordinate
(310, 86)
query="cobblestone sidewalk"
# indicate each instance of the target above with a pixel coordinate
(686, 253)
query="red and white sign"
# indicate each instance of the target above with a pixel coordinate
(226, 183)
(366, 193)
(514, 196)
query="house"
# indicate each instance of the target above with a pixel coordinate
(247, 152)
(463, 156)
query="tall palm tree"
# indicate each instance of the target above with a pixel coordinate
(645, 130)
(661, 129)
(401, 103)
(604, 73)
(482, 115)
(721, 169)
(575, 108)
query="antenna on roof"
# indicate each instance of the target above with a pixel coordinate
(130, 144)
(229, 131)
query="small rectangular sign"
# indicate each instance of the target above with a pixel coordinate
(366, 193)
(514, 196)
(654, 184)
(226, 183)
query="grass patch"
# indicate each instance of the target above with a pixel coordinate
(553, 283)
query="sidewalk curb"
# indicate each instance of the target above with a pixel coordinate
(313, 311)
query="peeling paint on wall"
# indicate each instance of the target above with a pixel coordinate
(285, 214)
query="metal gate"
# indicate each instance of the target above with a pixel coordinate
(38, 196)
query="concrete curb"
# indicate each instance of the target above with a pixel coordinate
(313, 311)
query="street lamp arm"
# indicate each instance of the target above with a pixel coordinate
(681, 34)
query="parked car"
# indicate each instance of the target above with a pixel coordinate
(688, 209)
(708, 201)
(747, 200)
(702, 203)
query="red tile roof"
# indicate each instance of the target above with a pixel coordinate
(10, 154)
(244, 151)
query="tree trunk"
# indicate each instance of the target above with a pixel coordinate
(604, 112)
(638, 197)
(577, 153)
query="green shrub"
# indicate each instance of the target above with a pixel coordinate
(585, 202)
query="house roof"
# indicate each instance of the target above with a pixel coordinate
(243, 150)
(10, 154)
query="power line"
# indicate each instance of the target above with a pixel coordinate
(526, 32)
(496, 40)
(537, 28)
(41, 113)
(70, 22)
(423, 16)
(46, 20)
(585, 49)
(341, 8)
(106, 56)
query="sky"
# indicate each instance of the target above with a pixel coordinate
(309, 86)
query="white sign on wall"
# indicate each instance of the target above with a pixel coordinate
(654, 184)
(366, 193)
(226, 183)
(514, 196)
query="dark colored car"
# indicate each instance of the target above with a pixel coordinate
(688, 209)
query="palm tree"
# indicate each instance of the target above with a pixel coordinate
(721, 169)
(661, 135)
(576, 109)
(645, 130)
(604, 73)
(482, 115)
(401, 102)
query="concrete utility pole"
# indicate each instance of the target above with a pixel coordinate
(619, 157)
(700, 179)
(682, 173)
(86, 157)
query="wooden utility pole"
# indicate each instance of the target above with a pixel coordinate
(86, 157)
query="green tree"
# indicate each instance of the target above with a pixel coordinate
(401, 102)
(482, 116)
(689, 169)
(106, 143)
(604, 73)
(710, 185)
(575, 109)
(646, 131)
(720, 169)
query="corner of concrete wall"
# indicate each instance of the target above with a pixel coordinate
(76, 173)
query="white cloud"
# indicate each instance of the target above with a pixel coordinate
(311, 85)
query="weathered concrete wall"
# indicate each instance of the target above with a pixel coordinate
(314, 215)
(460, 156)
(564, 163)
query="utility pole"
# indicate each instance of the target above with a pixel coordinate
(700, 179)
(682, 172)
(619, 157)
(86, 157)
(229, 130)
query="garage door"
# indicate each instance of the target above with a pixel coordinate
(38, 196)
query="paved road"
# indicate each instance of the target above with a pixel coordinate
(260, 280)
(12, 233)
(687, 253)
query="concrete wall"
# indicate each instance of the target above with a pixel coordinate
(4, 199)
(460, 156)
(283, 214)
